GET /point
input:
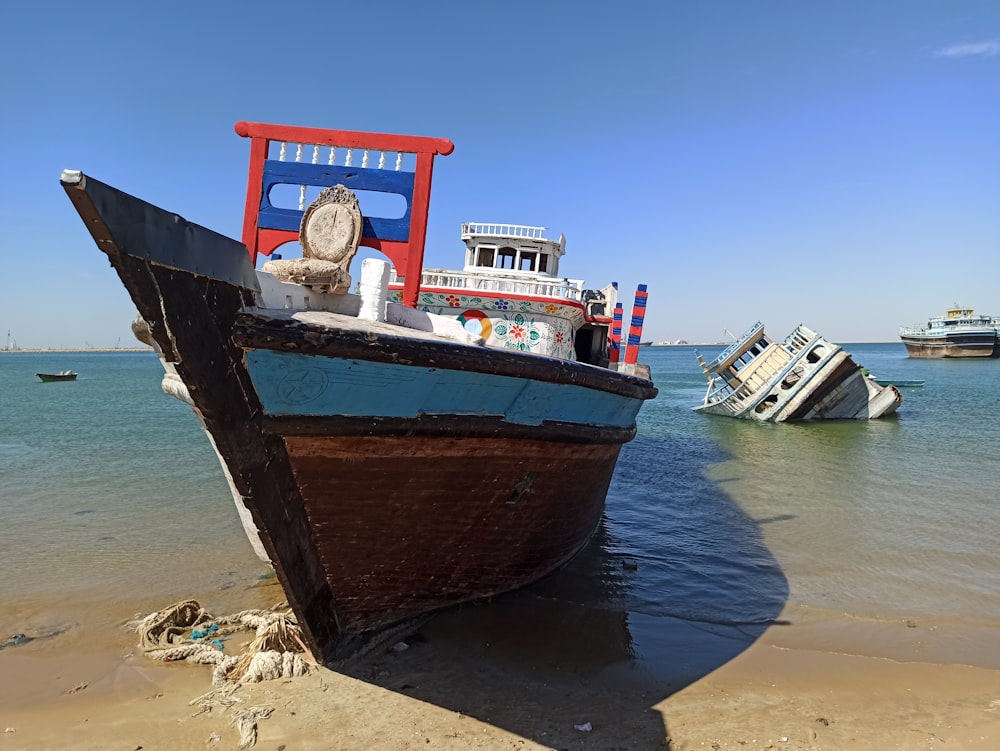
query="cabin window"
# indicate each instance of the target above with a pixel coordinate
(506, 258)
(528, 261)
(485, 258)
(584, 347)
(791, 379)
(543, 262)
(766, 404)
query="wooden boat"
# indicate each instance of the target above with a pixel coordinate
(958, 333)
(898, 382)
(805, 377)
(434, 438)
(64, 375)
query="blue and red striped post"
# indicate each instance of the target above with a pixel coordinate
(615, 345)
(635, 329)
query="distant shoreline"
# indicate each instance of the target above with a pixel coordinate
(686, 344)
(726, 344)
(31, 351)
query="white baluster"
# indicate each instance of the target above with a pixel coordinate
(281, 154)
(298, 157)
(381, 160)
(399, 161)
(364, 160)
(333, 155)
(350, 156)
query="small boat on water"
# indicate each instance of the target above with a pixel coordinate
(805, 377)
(958, 333)
(898, 383)
(64, 375)
(432, 437)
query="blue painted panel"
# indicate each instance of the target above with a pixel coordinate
(324, 176)
(291, 220)
(303, 385)
(548, 401)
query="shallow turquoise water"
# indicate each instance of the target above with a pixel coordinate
(108, 485)
(105, 482)
(891, 517)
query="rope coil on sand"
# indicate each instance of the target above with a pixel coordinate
(185, 631)
(275, 652)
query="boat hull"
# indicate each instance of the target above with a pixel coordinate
(806, 378)
(985, 344)
(52, 377)
(387, 473)
(912, 383)
(450, 520)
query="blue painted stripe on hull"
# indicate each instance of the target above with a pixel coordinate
(307, 385)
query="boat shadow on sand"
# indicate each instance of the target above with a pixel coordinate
(676, 583)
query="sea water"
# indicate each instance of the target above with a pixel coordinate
(107, 486)
(892, 516)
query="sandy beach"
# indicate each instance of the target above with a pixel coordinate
(471, 679)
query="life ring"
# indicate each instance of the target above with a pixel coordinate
(476, 322)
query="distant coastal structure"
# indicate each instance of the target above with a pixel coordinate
(39, 350)
(684, 342)
(10, 345)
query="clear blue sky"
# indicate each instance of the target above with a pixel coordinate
(833, 164)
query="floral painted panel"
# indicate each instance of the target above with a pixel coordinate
(542, 328)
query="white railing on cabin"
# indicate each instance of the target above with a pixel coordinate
(718, 393)
(722, 394)
(798, 340)
(764, 372)
(721, 391)
(942, 326)
(464, 281)
(347, 156)
(516, 231)
(728, 351)
(781, 362)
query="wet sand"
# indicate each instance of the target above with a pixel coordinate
(517, 674)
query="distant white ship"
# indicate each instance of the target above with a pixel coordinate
(958, 333)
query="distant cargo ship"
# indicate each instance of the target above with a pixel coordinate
(958, 333)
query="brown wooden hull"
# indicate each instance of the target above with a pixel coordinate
(845, 393)
(448, 520)
(981, 346)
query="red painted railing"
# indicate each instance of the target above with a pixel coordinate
(406, 254)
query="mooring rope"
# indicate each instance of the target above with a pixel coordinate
(185, 631)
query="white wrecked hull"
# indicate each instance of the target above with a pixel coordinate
(806, 377)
